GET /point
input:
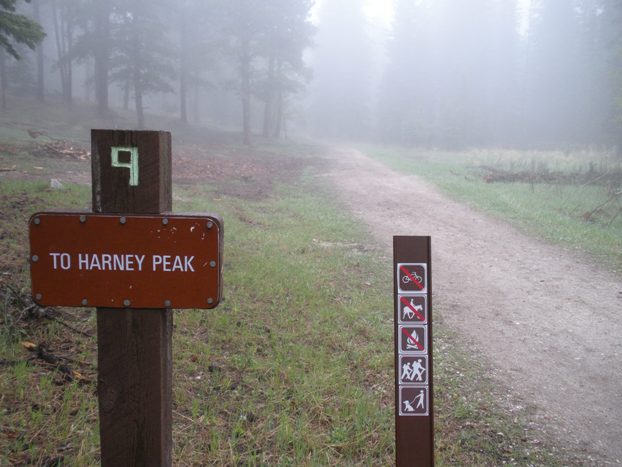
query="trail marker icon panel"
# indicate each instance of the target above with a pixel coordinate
(414, 400)
(412, 309)
(413, 339)
(412, 277)
(413, 369)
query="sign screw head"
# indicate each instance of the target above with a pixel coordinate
(35, 258)
(122, 220)
(210, 225)
(82, 219)
(38, 296)
(210, 300)
(126, 303)
(212, 264)
(165, 221)
(85, 302)
(167, 303)
(37, 220)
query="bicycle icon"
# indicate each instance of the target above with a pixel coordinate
(406, 279)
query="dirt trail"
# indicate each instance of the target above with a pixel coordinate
(550, 323)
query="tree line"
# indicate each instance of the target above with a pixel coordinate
(457, 73)
(252, 49)
(449, 73)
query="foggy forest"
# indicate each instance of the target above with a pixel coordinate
(442, 74)
(310, 232)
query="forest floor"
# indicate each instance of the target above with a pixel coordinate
(274, 375)
(546, 319)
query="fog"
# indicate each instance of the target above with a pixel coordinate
(433, 73)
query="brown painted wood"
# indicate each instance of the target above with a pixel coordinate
(414, 435)
(72, 249)
(134, 345)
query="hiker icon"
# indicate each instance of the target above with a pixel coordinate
(413, 369)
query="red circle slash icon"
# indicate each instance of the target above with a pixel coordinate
(412, 340)
(413, 310)
(412, 276)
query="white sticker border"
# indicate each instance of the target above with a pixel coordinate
(412, 352)
(425, 307)
(425, 272)
(427, 401)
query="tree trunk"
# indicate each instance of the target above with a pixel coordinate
(69, 62)
(3, 77)
(182, 94)
(137, 78)
(102, 55)
(245, 70)
(88, 71)
(126, 93)
(183, 68)
(278, 120)
(140, 114)
(63, 33)
(196, 111)
(268, 112)
(40, 71)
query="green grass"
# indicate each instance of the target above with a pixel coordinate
(551, 211)
(295, 367)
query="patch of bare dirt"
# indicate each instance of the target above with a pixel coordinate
(548, 320)
(59, 149)
(242, 173)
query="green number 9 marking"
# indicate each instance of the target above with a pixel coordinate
(132, 164)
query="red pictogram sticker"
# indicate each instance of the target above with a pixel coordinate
(412, 277)
(413, 339)
(412, 309)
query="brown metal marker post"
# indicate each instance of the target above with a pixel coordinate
(414, 410)
(134, 345)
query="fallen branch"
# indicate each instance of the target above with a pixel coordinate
(587, 216)
(56, 362)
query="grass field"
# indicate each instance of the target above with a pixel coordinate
(295, 367)
(545, 199)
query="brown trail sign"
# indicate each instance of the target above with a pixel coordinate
(134, 260)
(414, 414)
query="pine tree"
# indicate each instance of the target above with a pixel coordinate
(555, 58)
(342, 65)
(17, 28)
(141, 58)
(282, 46)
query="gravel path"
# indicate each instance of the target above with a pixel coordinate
(549, 322)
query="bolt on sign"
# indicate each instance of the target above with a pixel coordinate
(134, 260)
(414, 421)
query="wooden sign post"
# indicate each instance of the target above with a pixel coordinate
(133, 260)
(134, 347)
(414, 410)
